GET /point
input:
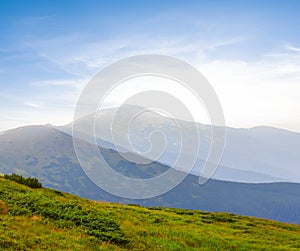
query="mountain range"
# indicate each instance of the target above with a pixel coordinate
(255, 155)
(47, 152)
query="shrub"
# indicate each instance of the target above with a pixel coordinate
(30, 182)
(66, 214)
(3, 208)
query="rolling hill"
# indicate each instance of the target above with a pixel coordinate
(45, 219)
(47, 153)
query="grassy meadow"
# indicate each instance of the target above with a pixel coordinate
(45, 219)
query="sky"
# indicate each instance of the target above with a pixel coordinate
(248, 50)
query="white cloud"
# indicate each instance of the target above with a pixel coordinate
(32, 105)
(264, 92)
(78, 83)
(261, 92)
(292, 48)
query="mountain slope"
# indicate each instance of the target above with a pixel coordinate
(43, 219)
(48, 154)
(260, 154)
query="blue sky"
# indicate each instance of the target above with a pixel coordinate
(249, 51)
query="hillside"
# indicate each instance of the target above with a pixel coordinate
(48, 154)
(45, 219)
(255, 155)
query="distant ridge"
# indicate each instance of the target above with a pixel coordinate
(47, 153)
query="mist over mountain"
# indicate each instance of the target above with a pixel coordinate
(48, 153)
(260, 154)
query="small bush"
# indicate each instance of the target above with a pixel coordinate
(134, 205)
(185, 213)
(158, 220)
(30, 182)
(3, 208)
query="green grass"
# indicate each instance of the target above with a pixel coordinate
(45, 219)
